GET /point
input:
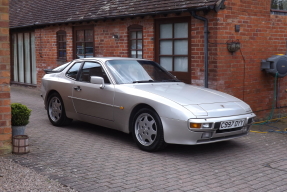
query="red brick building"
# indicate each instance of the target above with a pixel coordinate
(5, 110)
(190, 38)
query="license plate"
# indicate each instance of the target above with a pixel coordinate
(232, 124)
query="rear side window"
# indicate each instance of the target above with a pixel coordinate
(73, 71)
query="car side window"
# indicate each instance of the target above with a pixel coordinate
(92, 69)
(73, 71)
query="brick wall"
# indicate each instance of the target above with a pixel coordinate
(261, 36)
(46, 49)
(5, 110)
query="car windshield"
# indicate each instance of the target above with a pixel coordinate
(138, 71)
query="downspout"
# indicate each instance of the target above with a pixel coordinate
(192, 12)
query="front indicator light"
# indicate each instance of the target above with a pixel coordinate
(195, 125)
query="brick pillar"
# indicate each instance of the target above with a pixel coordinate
(5, 110)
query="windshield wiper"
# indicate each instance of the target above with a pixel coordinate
(144, 81)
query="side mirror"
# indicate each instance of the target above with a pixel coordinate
(98, 80)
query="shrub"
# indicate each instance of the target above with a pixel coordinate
(20, 114)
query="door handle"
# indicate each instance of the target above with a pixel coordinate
(78, 88)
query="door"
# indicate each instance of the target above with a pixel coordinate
(90, 99)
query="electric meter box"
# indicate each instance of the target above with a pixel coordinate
(275, 64)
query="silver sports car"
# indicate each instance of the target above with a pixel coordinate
(140, 97)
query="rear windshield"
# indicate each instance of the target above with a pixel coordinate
(57, 69)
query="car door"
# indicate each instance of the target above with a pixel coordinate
(91, 99)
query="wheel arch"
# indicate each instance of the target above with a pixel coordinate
(48, 95)
(135, 110)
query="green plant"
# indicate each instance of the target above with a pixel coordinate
(20, 114)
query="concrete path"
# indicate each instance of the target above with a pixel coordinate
(85, 157)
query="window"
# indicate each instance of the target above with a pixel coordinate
(172, 46)
(83, 42)
(61, 45)
(24, 60)
(92, 69)
(73, 71)
(279, 5)
(135, 41)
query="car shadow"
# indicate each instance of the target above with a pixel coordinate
(99, 131)
(172, 149)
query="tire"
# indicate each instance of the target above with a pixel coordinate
(56, 110)
(147, 130)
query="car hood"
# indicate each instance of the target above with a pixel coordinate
(200, 101)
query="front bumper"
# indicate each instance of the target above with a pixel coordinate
(177, 132)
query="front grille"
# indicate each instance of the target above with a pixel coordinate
(250, 120)
(217, 125)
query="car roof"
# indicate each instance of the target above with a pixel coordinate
(107, 58)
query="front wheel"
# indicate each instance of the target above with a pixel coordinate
(147, 130)
(56, 110)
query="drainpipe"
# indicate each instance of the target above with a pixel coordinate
(205, 45)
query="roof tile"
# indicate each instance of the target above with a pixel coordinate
(39, 12)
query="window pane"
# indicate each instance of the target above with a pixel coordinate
(166, 47)
(274, 4)
(279, 4)
(181, 64)
(133, 35)
(80, 35)
(180, 30)
(15, 57)
(27, 58)
(61, 45)
(140, 34)
(133, 54)
(80, 50)
(21, 57)
(166, 62)
(89, 35)
(140, 54)
(33, 56)
(133, 44)
(74, 70)
(180, 47)
(139, 44)
(165, 31)
(89, 50)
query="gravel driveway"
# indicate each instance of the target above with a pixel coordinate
(14, 177)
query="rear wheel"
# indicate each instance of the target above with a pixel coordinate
(56, 110)
(147, 130)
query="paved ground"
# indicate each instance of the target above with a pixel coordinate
(90, 158)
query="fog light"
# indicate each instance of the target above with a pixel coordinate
(206, 135)
(195, 125)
